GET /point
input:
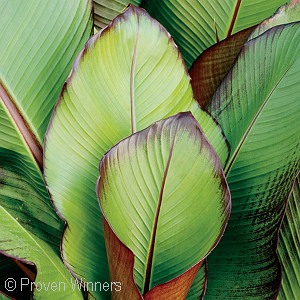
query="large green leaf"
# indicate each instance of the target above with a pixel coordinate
(257, 105)
(289, 247)
(106, 10)
(128, 76)
(30, 229)
(38, 41)
(194, 24)
(163, 193)
(210, 68)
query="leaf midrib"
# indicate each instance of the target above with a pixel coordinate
(154, 230)
(234, 17)
(243, 139)
(132, 73)
(31, 141)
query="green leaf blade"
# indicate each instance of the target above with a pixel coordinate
(20, 172)
(38, 45)
(251, 13)
(280, 71)
(30, 230)
(156, 220)
(110, 94)
(285, 14)
(262, 126)
(106, 10)
(36, 61)
(288, 246)
(210, 68)
(194, 24)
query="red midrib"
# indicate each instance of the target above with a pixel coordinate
(152, 243)
(235, 13)
(30, 139)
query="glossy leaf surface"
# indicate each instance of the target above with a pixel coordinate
(151, 189)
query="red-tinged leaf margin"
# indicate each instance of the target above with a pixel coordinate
(208, 71)
(166, 290)
(90, 44)
(176, 288)
(119, 255)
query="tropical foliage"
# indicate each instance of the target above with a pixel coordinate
(145, 174)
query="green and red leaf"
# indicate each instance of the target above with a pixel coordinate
(163, 194)
(257, 106)
(128, 76)
(197, 25)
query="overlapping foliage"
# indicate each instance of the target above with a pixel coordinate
(162, 189)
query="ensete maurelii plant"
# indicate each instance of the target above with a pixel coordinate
(165, 165)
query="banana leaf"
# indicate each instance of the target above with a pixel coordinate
(38, 42)
(151, 189)
(129, 75)
(196, 25)
(289, 247)
(210, 68)
(257, 107)
(106, 10)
